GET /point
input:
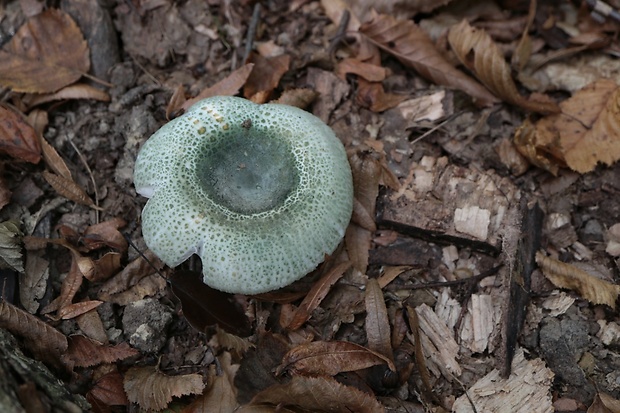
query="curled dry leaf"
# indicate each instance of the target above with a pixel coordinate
(17, 138)
(265, 76)
(108, 389)
(330, 358)
(377, 321)
(319, 394)
(74, 310)
(316, 294)
(153, 390)
(221, 393)
(368, 71)
(591, 288)
(479, 53)
(412, 46)
(106, 233)
(589, 126)
(47, 53)
(72, 282)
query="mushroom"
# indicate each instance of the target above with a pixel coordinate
(260, 192)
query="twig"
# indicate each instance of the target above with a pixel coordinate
(90, 174)
(438, 284)
(249, 37)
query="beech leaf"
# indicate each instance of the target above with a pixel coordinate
(85, 352)
(10, 246)
(412, 46)
(564, 275)
(47, 53)
(377, 322)
(479, 53)
(153, 390)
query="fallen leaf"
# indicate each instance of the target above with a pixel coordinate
(106, 266)
(229, 86)
(153, 390)
(176, 102)
(10, 246)
(316, 294)
(76, 91)
(319, 394)
(53, 160)
(479, 53)
(265, 76)
(604, 403)
(69, 189)
(412, 46)
(17, 138)
(106, 233)
(47, 343)
(220, 395)
(591, 288)
(74, 310)
(300, 98)
(368, 71)
(108, 389)
(85, 352)
(133, 272)
(33, 284)
(47, 53)
(377, 322)
(71, 283)
(231, 342)
(330, 358)
(91, 325)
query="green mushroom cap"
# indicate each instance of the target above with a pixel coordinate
(260, 192)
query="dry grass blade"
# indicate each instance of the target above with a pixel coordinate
(490, 67)
(412, 46)
(591, 288)
(69, 190)
(153, 390)
(47, 53)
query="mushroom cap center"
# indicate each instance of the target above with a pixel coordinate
(248, 171)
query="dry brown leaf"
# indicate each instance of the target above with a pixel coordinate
(221, 393)
(228, 86)
(74, 310)
(17, 138)
(69, 189)
(145, 287)
(47, 343)
(33, 284)
(76, 91)
(377, 322)
(368, 71)
(414, 324)
(390, 274)
(133, 272)
(330, 358)
(604, 403)
(106, 233)
(85, 352)
(316, 294)
(540, 144)
(91, 325)
(232, 342)
(106, 266)
(362, 217)
(53, 160)
(591, 288)
(300, 98)
(108, 389)
(71, 284)
(589, 126)
(265, 76)
(319, 394)
(47, 53)
(153, 390)
(412, 46)
(479, 53)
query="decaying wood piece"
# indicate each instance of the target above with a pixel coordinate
(520, 282)
(526, 390)
(447, 203)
